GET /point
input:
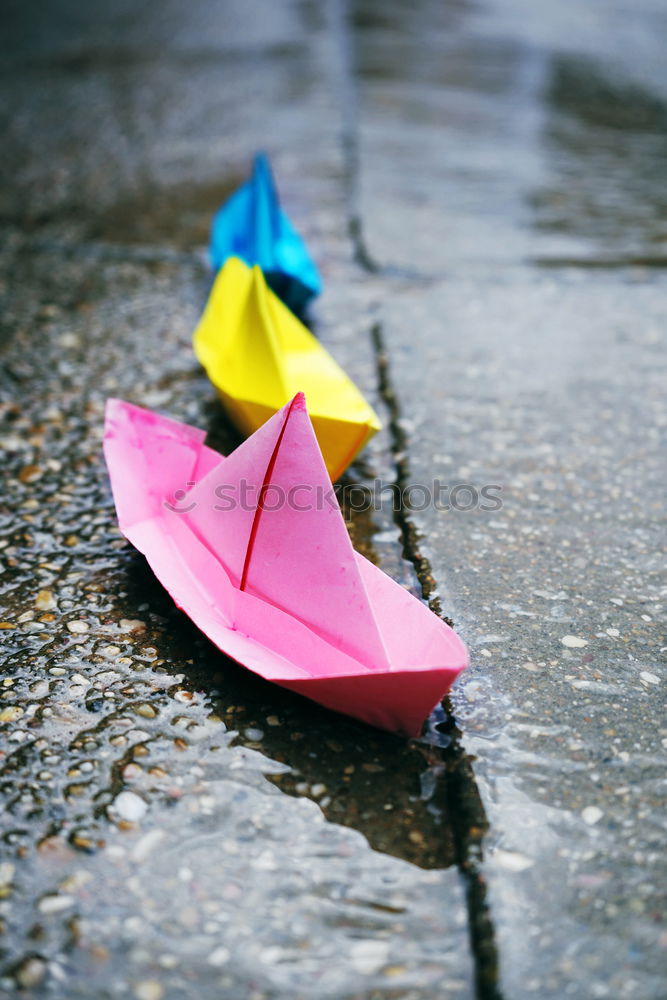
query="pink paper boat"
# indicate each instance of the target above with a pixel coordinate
(254, 549)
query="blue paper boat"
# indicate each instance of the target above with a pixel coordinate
(252, 225)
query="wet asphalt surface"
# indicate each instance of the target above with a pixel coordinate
(483, 190)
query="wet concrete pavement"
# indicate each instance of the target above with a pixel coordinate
(532, 357)
(482, 189)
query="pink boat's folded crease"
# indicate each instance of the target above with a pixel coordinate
(313, 615)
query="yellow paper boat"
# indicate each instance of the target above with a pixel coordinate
(258, 355)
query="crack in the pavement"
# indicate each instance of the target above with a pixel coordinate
(458, 788)
(399, 451)
(463, 804)
(349, 138)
